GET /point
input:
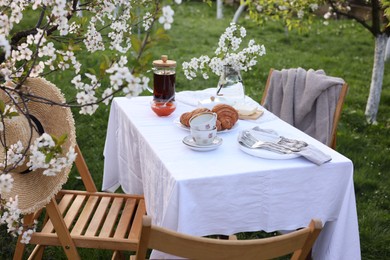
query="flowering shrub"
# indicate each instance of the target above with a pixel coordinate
(11, 216)
(226, 54)
(64, 31)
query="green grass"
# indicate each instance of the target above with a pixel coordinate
(344, 49)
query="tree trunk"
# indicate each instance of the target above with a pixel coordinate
(376, 79)
(387, 53)
(240, 9)
(219, 9)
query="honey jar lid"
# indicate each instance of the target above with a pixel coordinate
(164, 62)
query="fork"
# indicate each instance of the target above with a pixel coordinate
(284, 140)
(248, 141)
(279, 145)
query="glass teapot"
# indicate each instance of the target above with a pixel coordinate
(164, 80)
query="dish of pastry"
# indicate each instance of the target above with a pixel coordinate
(227, 117)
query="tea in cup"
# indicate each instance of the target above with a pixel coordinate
(203, 137)
(203, 121)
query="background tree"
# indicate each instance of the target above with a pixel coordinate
(300, 13)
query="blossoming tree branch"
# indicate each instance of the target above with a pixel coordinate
(41, 37)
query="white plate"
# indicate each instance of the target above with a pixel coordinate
(180, 125)
(190, 143)
(262, 153)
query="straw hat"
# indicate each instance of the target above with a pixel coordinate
(34, 189)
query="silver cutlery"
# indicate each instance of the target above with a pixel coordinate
(249, 144)
(284, 140)
(248, 140)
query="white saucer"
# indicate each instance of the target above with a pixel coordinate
(190, 143)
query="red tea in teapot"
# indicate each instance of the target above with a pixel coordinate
(164, 85)
(164, 79)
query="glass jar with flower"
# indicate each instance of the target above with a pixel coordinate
(228, 62)
(230, 84)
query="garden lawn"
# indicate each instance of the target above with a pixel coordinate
(343, 49)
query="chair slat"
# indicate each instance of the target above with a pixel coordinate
(136, 227)
(62, 206)
(74, 210)
(125, 221)
(112, 216)
(100, 194)
(98, 217)
(88, 242)
(85, 216)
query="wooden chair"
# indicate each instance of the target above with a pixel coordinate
(297, 242)
(89, 219)
(337, 112)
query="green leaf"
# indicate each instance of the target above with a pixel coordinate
(12, 114)
(62, 139)
(107, 59)
(49, 156)
(2, 106)
(136, 43)
(208, 2)
(103, 67)
(55, 139)
(92, 71)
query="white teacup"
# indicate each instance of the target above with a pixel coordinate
(203, 121)
(204, 137)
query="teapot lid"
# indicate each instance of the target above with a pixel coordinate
(164, 62)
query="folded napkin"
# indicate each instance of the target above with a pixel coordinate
(310, 152)
(192, 98)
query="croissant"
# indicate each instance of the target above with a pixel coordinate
(226, 114)
(185, 117)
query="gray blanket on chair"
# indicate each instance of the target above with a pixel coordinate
(305, 99)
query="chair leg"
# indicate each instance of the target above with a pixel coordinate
(19, 249)
(61, 230)
(117, 255)
(37, 253)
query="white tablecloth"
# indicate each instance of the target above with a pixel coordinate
(226, 191)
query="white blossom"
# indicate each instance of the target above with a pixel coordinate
(313, 7)
(167, 17)
(14, 155)
(228, 43)
(38, 156)
(4, 44)
(93, 39)
(6, 182)
(147, 21)
(300, 14)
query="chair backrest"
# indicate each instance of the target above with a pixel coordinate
(337, 111)
(298, 242)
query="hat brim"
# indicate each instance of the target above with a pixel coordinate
(35, 190)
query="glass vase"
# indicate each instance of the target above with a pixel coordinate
(230, 85)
